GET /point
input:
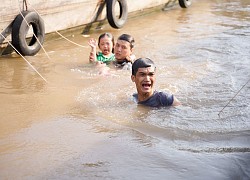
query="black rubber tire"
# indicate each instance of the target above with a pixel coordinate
(20, 29)
(117, 22)
(185, 3)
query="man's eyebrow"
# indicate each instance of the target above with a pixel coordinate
(143, 72)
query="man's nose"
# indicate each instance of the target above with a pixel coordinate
(119, 49)
(147, 77)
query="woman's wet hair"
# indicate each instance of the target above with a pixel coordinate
(108, 35)
(128, 38)
(141, 63)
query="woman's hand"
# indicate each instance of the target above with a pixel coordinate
(92, 56)
(92, 43)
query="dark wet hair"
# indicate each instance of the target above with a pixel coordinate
(108, 35)
(141, 63)
(128, 38)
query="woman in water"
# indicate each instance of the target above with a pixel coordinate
(106, 45)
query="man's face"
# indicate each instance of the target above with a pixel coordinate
(144, 80)
(122, 50)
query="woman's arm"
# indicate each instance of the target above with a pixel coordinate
(92, 56)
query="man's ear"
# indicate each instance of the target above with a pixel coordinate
(131, 50)
(133, 78)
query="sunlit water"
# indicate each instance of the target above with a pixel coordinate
(81, 125)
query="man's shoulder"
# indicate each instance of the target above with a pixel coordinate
(159, 98)
(160, 93)
(124, 65)
(166, 99)
(135, 97)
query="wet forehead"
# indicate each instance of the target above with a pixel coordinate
(146, 69)
(105, 39)
(122, 42)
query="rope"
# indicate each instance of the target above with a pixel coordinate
(33, 33)
(70, 40)
(24, 59)
(60, 33)
(233, 97)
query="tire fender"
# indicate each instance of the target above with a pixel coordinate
(114, 21)
(185, 3)
(20, 29)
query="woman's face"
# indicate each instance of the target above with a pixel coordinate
(106, 45)
(122, 50)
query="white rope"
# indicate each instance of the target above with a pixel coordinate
(60, 33)
(33, 33)
(233, 97)
(70, 40)
(24, 59)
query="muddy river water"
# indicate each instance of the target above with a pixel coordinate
(81, 125)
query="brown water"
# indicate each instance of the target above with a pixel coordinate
(81, 125)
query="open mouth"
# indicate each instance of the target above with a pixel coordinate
(106, 51)
(146, 85)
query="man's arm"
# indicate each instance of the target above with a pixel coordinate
(176, 102)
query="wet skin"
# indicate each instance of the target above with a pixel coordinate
(106, 45)
(144, 81)
(122, 50)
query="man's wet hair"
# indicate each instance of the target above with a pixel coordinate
(128, 38)
(141, 63)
